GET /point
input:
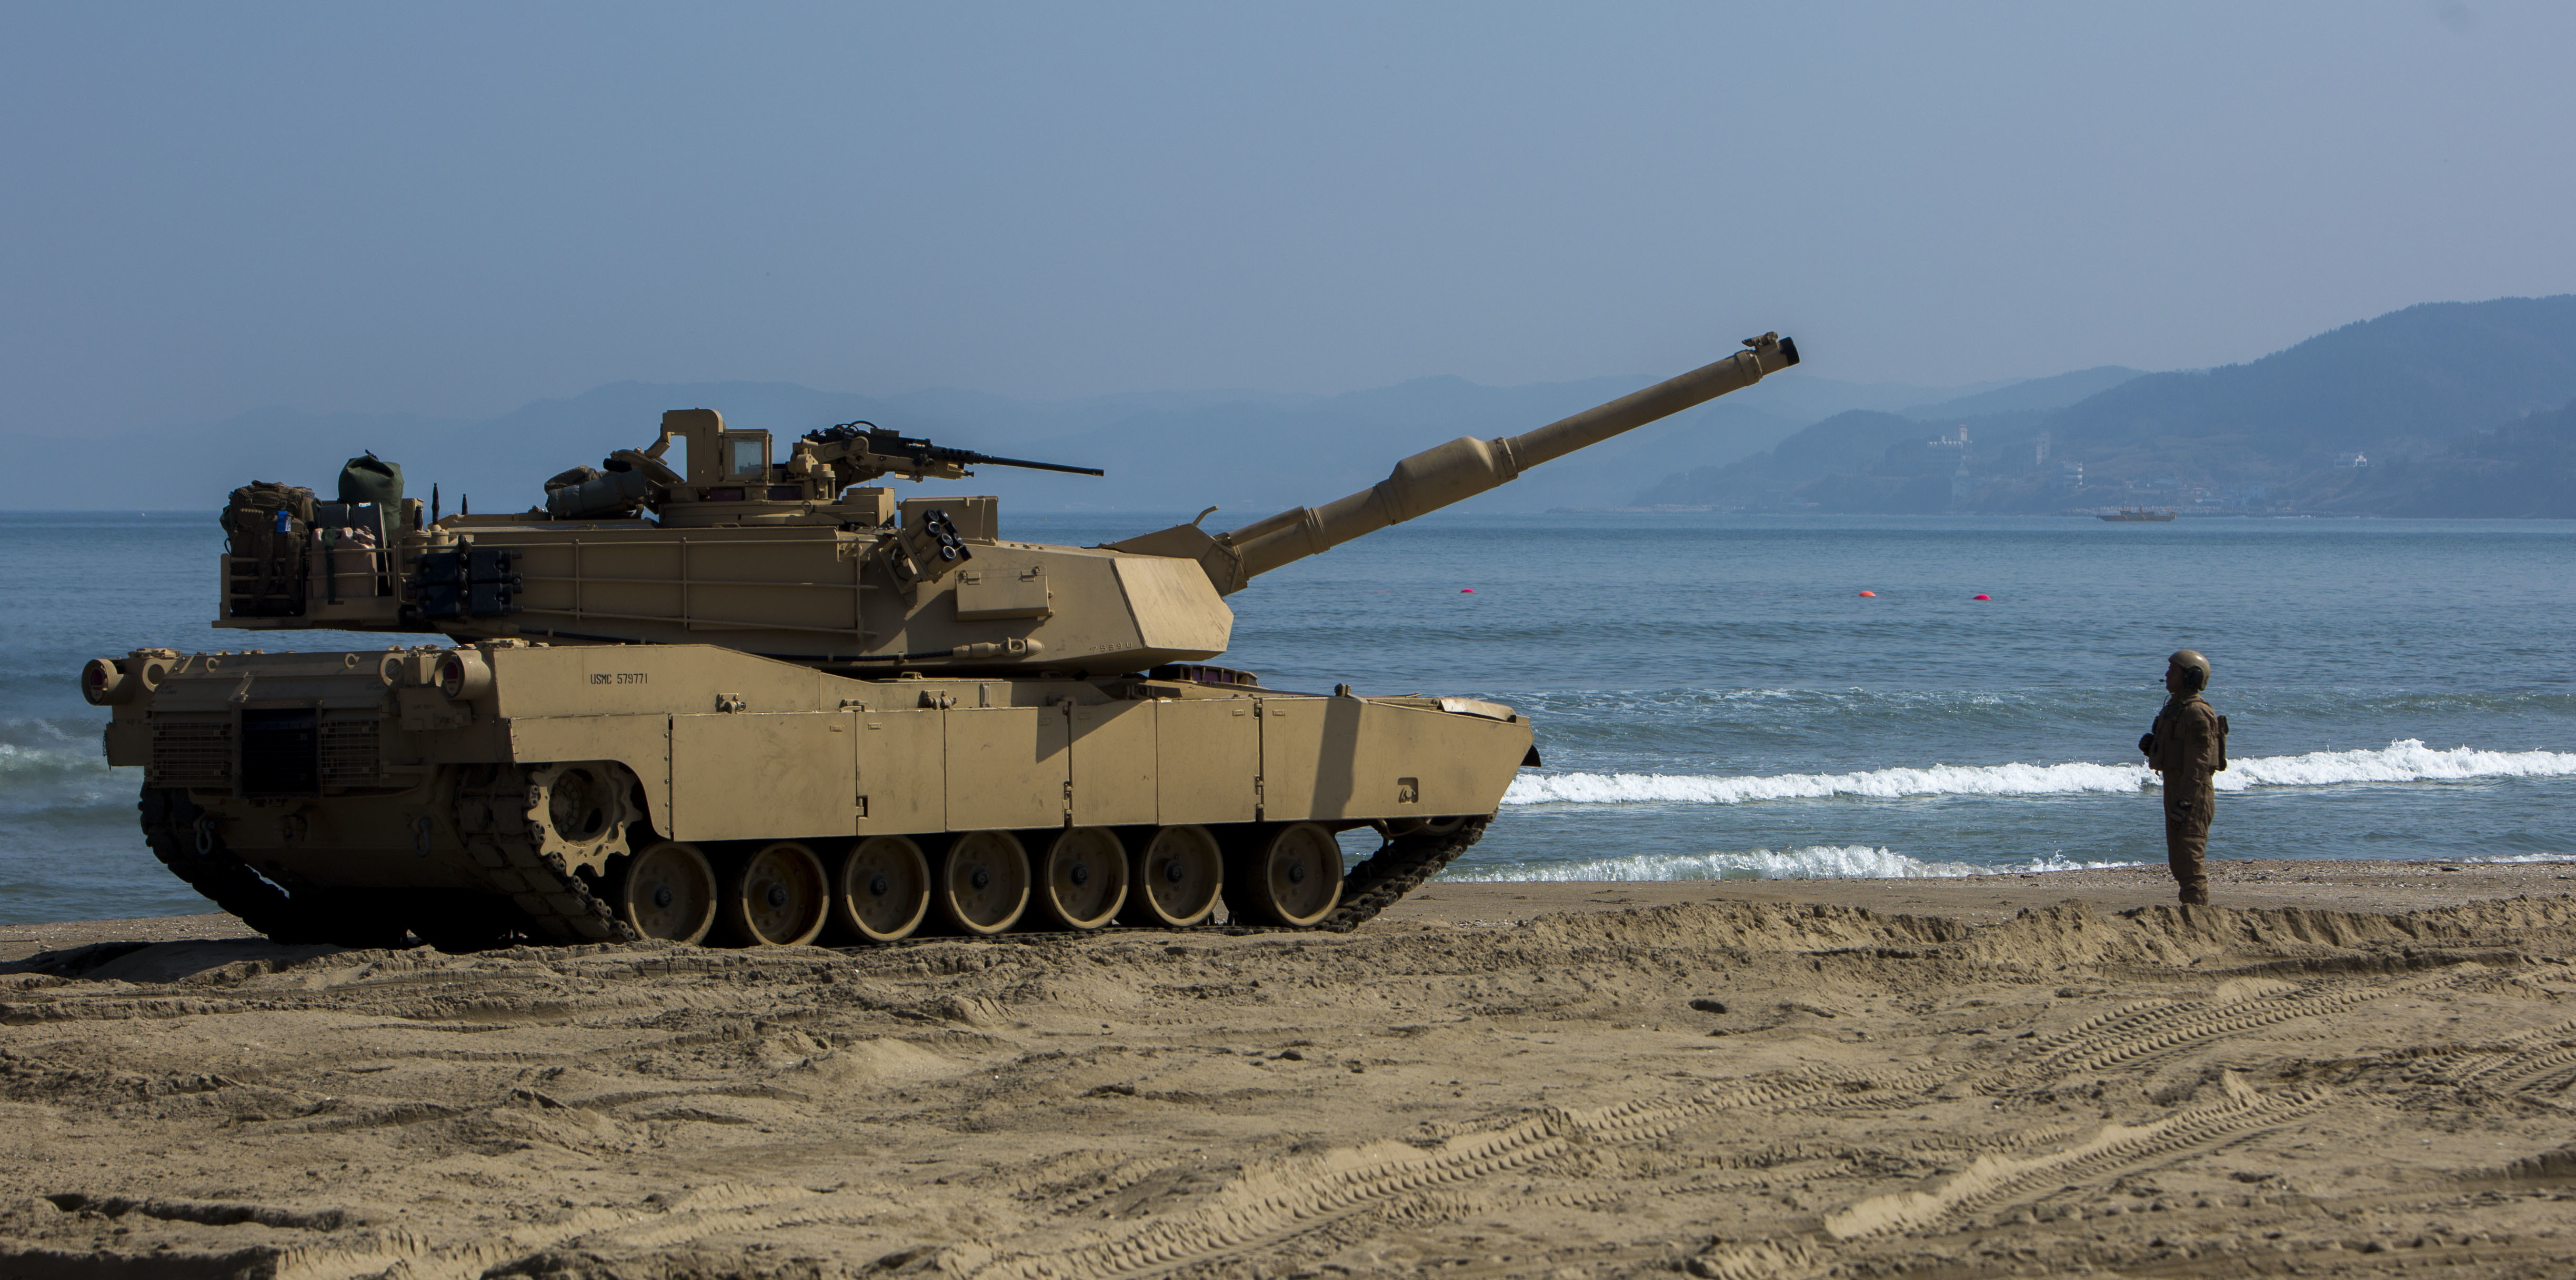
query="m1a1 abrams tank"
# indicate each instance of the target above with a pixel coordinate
(746, 700)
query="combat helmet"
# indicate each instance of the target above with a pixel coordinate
(2190, 660)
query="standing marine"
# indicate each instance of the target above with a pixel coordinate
(2188, 745)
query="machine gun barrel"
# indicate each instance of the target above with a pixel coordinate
(883, 443)
(968, 457)
(1465, 467)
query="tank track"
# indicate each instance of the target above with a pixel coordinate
(1396, 869)
(495, 815)
(200, 861)
(556, 904)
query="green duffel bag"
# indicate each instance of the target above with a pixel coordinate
(371, 479)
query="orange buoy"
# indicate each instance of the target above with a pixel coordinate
(1985, 597)
(1869, 593)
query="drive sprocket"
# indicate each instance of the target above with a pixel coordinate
(506, 816)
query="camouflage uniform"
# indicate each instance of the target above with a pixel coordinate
(2184, 746)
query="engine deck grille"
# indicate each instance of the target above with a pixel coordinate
(349, 752)
(192, 753)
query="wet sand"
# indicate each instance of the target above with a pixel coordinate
(2346, 1068)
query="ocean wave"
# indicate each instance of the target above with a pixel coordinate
(2406, 760)
(63, 783)
(1880, 784)
(24, 765)
(1810, 862)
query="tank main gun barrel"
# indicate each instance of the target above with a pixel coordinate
(1466, 466)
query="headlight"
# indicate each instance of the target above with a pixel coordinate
(102, 684)
(462, 675)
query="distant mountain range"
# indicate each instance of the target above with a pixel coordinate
(2441, 409)
(2426, 411)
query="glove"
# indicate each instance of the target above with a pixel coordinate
(2146, 744)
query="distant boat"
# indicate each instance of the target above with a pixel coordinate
(2139, 513)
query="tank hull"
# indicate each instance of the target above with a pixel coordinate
(368, 799)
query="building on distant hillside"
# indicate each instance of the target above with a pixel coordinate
(2351, 460)
(1948, 447)
(2070, 475)
(2039, 450)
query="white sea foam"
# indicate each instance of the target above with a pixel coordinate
(2408, 760)
(2404, 761)
(1811, 862)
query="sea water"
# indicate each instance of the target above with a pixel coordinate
(1712, 695)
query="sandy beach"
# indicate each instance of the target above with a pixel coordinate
(2345, 1068)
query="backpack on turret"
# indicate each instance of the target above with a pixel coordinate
(266, 532)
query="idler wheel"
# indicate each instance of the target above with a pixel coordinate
(1082, 880)
(981, 884)
(1290, 874)
(883, 890)
(1177, 879)
(668, 892)
(778, 898)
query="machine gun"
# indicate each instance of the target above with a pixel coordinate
(733, 466)
(880, 451)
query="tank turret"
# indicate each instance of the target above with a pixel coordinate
(808, 560)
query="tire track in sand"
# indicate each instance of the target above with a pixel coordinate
(2154, 1029)
(2533, 1065)
(1274, 1203)
(1286, 1199)
(1995, 1180)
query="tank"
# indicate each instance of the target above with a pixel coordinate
(719, 697)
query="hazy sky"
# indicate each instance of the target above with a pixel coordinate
(455, 208)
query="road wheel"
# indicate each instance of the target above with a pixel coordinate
(884, 888)
(1177, 879)
(981, 884)
(778, 898)
(668, 892)
(1082, 880)
(1289, 874)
